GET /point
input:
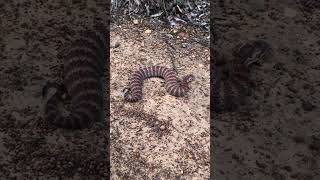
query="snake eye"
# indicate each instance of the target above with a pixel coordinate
(190, 78)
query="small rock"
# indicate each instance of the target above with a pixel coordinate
(279, 66)
(116, 44)
(148, 31)
(183, 35)
(261, 165)
(287, 168)
(169, 35)
(162, 127)
(19, 88)
(235, 157)
(307, 106)
(184, 45)
(135, 21)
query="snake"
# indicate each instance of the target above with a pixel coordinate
(231, 78)
(310, 4)
(173, 85)
(83, 70)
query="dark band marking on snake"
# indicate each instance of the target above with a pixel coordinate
(83, 71)
(173, 86)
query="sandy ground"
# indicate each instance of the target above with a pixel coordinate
(277, 135)
(160, 137)
(31, 35)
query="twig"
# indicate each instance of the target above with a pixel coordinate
(171, 50)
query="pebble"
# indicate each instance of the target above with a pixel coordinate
(148, 31)
(115, 44)
(261, 165)
(183, 35)
(287, 168)
(171, 36)
(162, 127)
(307, 106)
(184, 45)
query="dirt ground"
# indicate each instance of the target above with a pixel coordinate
(31, 35)
(277, 135)
(161, 136)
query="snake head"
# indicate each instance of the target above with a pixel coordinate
(125, 91)
(127, 95)
(189, 78)
(252, 51)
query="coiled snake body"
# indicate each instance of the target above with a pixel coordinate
(172, 84)
(83, 71)
(231, 80)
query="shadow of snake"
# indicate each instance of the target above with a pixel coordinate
(83, 82)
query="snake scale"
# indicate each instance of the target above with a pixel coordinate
(231, 80)
(83, 69)
(173, 85)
